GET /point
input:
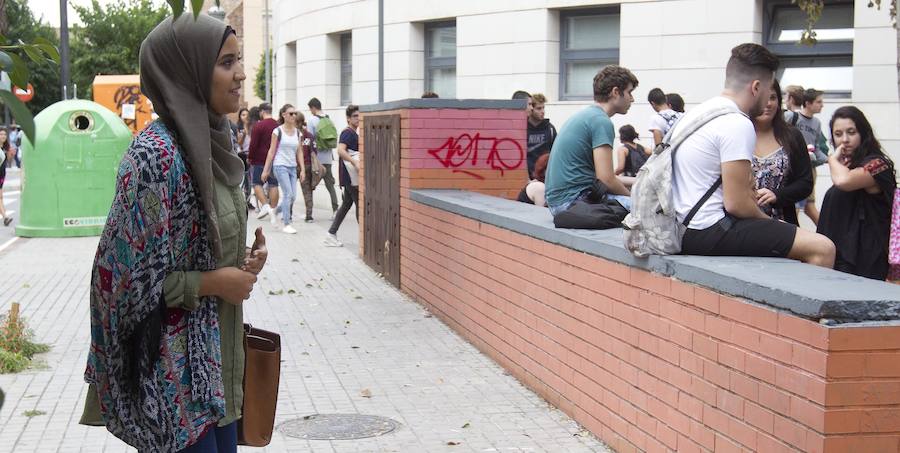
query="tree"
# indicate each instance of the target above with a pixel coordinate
(44, 75)
(813, 10)
(259, 83)
(109, 39)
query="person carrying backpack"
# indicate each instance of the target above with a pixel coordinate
(663, 117)
(694, 195)
(631, 156)
(321, 126)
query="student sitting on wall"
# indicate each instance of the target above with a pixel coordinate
(581, 185)
(533, 192)
(631, 156)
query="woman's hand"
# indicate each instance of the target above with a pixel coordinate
(765, 197)
(258, 254)
(228, 283)
(265, 175)
(302, 176)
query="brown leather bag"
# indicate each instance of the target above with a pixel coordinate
(262, 370)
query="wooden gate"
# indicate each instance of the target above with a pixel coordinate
(381, 249)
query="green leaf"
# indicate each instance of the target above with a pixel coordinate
(198, 7)
(177, 7)
(19, 74)
(6, 63)
(19, 112)
(33, 53)
(48, 48)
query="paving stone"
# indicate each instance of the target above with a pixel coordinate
(335, 345)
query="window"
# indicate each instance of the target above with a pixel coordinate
(346, 69)
(440, 58)
(827, 65)
(589, 40)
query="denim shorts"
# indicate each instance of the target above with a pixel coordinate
(256, 176)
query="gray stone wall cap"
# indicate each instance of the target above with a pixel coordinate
(432, 103)
(805, 290)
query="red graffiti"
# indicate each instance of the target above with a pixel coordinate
(457, 151)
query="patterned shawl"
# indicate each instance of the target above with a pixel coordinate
(157, 371)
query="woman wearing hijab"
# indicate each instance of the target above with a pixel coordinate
(166, 361)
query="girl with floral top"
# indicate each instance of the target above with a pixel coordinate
(856, 212)
(780, 162)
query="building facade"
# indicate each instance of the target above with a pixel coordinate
(489, 49)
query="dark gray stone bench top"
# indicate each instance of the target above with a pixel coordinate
(806, 290)
(436, 103)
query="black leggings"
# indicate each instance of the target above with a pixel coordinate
(350, 198)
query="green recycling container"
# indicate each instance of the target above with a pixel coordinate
(69, 172)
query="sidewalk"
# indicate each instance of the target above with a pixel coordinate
(345, 333)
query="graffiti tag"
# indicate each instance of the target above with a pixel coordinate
(456, 152)
(129, 94)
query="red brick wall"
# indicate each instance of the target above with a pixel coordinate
(480, 150)
(649, 363)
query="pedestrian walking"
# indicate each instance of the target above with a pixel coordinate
(5, 150)
(856, 211)
(243, 138)
(307, 177)
(284, 155)
(15, 142)
(348, 150)
(780, 162)
(166, 361)
(324, 150)
(265, 190)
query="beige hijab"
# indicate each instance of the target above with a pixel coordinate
(177, 62)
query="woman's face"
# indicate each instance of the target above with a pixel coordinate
(3, 137)
(225, 93)
(771, 109)
(846, 135)
(245, 116)
(289, 116)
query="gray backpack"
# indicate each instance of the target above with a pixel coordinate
(652, 226)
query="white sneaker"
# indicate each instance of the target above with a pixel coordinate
(274, 217)
(332, 241)
(333, 213)
(288, 229)
(263, 211)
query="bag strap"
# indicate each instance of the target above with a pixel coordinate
(794, 118)
(703, 200)
(674, 141)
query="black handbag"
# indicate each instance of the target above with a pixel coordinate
(595, 212)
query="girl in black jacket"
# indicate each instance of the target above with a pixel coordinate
(781, 162)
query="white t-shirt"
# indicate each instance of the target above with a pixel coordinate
(698, 161)
(286, 153)
(660, 120)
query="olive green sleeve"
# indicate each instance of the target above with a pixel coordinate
(180, 290)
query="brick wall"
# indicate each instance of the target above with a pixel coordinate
(649, 363)
(480, 150)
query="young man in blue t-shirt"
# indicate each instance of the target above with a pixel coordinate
(583, 151)
(348, 150)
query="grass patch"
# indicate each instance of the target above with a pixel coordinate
(16, 346)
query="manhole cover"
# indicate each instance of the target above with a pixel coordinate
(338, 426)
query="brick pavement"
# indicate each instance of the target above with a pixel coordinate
(345, 330)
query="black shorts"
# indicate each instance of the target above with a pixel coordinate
(256, 176)
(741, 237)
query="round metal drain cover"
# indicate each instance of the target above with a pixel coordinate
(338, 426)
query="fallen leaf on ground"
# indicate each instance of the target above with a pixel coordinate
(582, 433)
(453, 443)
(309, 285)
(295, 260)
(292, 291)
(358, 297)
(276, 293)
(466, 425)
(365, 393)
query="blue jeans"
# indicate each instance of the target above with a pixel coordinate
(216, 440)
(287, 182)
(624, 200)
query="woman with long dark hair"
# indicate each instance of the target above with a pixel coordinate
(285, 154)
(5, 151)
(780, 162)
(856, 212)
(172, 270)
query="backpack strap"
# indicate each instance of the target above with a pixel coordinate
(703, 200)
(794, 118)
